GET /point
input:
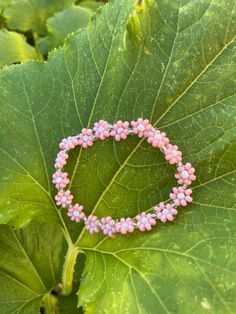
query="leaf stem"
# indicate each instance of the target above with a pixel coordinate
(50, 304)
(64, 228)
(68, 269)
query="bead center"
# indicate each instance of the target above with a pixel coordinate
(144, 220)
(181, 195)
(141, 127)
(75, 213)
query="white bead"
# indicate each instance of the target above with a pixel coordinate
(58, 180)
(144, 220)
(108, 227)
(157, 137)
(101, 129)
(180, 195)
(85, 138)
(184, 174)
(165, 212)
(75, 213)
(140, 127)
(120, 130)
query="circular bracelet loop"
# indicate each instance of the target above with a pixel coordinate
(120, 130)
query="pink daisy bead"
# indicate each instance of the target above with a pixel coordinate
(60, 179)
(141, 127)
(69, 143)
(185, 174)
(120, 130)
(145, 221)
(172, 154)
(108, 226)
(157, 138)
(92, 224)
(86, 138)
(181, 196)
(64, 198)
(101, 129)
(76, 212)
(125, 225)
(165, 212)
(61, 159)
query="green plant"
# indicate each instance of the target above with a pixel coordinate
(30, 29)
(172, 62)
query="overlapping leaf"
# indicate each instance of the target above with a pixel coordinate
(13, 48)
(66, 22)
(28, 15)
(173, 63)
(31, 265)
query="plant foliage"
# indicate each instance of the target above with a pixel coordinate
(174, 63)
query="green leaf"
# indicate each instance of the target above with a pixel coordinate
(26, 15)
(174, 65)
(31, 265)
(92, 5)
(14, 48)
(66, 22)
(5, 3)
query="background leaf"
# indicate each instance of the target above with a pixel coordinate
(31, 265)
(66, 22)
(4, 3)
(14, 48)
(165, 63)
(26, 15)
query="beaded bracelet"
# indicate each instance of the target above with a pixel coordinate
(180, 195)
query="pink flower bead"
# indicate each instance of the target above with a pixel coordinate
(60, 179)
(186, 174)
(141, 127)
(86, 138)
(181, 196)
(145, 221)
(172, 154)
(61, 159)
(64, 198)
(108, 226)
(92, 224)
(76, 212)
(101, 129)
(69, 143)
(157, 138)
(120, 130)
(125, 225)
(165, 212)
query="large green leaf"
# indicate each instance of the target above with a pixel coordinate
(31, 265)
(14, 48)
(170, 62)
